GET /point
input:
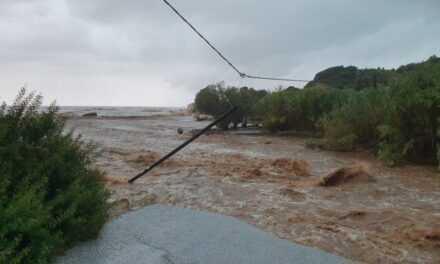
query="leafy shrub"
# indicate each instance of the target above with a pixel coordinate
(411, 128)
(274, 111)
(318, 101)
(339, 134)
(356, 122)
(295, 109)
(392, 148)
(50, 196)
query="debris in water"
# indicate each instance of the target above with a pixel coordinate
(354, 215)
(356, 174)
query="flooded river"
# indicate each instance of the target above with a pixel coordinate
(271, 182)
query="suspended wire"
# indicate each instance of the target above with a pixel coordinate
(274, 79)
(219, 53)
(203, 37)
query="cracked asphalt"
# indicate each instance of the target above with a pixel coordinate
(164, 235)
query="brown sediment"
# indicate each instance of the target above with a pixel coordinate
(148, 158)
(304, 183)
(252, 174)
(346, 231)
(112, 180)
(420, 237)
(292, 194)
(394, 219)
(247, 168)
(294, 167)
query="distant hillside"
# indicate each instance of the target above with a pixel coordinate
(352, 77)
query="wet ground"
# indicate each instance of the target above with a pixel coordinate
(273, 183)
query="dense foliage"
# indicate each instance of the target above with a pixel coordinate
(297, 109)
(216, 99)
(356, 121)
(399, 118)
(50, 196)
(411, 125)
(394, 112)
(350, 77)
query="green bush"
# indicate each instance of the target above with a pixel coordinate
(356, 122)
(392, 148)
(274, 110)
(339, 134)
(411, 128)
(318, 101)
(50, 195)
(295, 109)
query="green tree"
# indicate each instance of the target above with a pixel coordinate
(412, 126)
(356, 121)
(210, 100)
(217, 99)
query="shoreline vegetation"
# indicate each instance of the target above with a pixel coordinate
(394, 113)
(51, 196)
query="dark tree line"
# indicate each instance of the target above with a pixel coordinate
(216, 99)
(394, 112)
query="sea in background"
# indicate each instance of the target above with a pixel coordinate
(117, 111)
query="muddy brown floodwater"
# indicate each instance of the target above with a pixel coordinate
(274, 183)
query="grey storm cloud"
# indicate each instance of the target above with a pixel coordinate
(112, 52)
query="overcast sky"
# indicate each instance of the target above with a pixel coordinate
(137, 52)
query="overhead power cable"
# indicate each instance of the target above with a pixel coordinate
(273, 79)
(219, 53)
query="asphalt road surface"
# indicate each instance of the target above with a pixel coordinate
(168, 235)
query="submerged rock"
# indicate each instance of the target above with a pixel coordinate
(356, 174)
(91, 114)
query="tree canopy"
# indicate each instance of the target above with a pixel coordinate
(394, 112)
